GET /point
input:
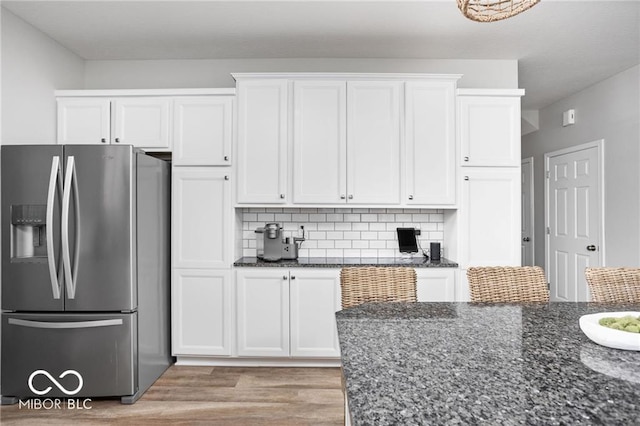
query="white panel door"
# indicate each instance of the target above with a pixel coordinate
(490, 211)
(263, 312)
(430, 138)
(373, 142)
(202, 312)
(202, 131)
(315, 298)
(144, 122)
(84, 121)
(262, 141)
(201, 218)
(436, 284)
(573, 221)
(528, 235)
(319, 142)
(489, 130)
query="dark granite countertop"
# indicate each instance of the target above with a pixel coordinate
(482, 364)
(338, 262)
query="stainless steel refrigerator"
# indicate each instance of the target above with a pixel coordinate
(85, 271)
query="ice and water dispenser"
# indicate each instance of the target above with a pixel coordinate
(28, 232)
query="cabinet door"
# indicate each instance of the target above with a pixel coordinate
(373, 142)
(319, 142)
(315, 298)
(436, 284)
(489, 130)
(262, 141)
(430, 138)
(83, 121)
(202, 312)
(143, 122)
(490, 217)
(201, 218)
(263, 312)
(202, 131)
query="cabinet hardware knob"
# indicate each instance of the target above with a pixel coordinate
(466, 158)
(284, 277)
(117, 140)
(293, 277)
(282, 196)
(226, 158)
(526, 239)
(226, 178)
(591, 248)
(351, 197)
(342, 197)
(103, 140)
(466, 178)
(411, 197)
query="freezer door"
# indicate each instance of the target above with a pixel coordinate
(68, 355)
(31, 197)
(98, 228)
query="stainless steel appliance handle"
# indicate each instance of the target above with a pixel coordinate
(71, 270)
(55, 179)
(59, 325)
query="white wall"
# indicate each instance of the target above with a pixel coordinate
(217, 73)
(33, 66)
(608, 110)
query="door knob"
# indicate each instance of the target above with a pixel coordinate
(591, 248)
(526, 239)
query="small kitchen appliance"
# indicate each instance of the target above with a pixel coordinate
(272, 247)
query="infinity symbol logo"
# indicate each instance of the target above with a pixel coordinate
(55, 382)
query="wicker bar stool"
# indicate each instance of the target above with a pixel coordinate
(611, 285)
(377, 284)
(508, 284)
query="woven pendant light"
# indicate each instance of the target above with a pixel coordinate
(493, 10)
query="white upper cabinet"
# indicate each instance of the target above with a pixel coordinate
(319, 142)
(489, 127)
(346, 142)
(430, 143)
(143, 122)
(201, 218)
(202, 130)
(84, 121)
(262, 141)
(373, 142)
(347, 139)
(491, 221)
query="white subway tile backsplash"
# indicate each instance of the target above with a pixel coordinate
(352, 217)
(343, 232)
(361, 226)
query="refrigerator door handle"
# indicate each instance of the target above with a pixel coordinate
(70, 184)
(61, 325)
(55, 180)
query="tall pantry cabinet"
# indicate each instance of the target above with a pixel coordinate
(489, 217)
(202, 246)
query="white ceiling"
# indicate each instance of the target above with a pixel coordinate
(562, 45)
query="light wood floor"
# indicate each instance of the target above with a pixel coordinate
(212, 396)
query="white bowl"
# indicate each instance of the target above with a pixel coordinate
(610, 337)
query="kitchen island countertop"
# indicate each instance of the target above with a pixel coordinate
(339, 262)
(493, 364)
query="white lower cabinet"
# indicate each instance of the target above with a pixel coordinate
(436, 284)
(263, 312)
(202, 312)
(287, 312)
(314, 297)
